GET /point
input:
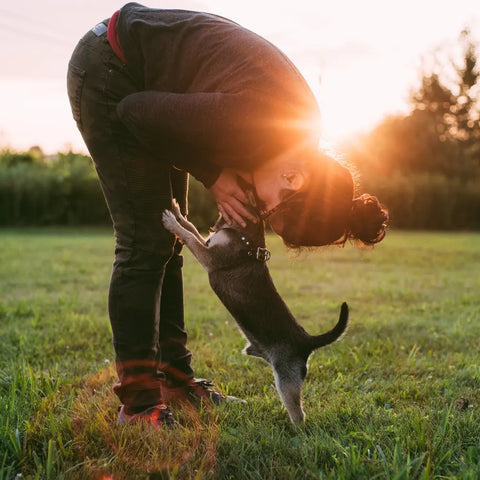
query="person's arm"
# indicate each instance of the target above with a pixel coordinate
(227, 127)
(209, 123)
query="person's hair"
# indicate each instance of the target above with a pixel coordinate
(325, 212)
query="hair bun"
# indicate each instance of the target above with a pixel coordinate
(368, 220)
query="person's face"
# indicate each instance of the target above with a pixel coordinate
(273, 185)
(268, 185)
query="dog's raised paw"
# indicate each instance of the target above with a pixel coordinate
(169, 221)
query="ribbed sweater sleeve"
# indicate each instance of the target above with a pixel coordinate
(220, 130)
(210, 94)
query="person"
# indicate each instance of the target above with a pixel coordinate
(161, 94)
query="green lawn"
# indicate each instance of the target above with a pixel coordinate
(397, 398)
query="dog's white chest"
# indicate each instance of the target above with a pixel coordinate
(218, 239)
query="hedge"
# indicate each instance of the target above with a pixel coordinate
(65, 191)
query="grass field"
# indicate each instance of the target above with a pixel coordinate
(397, 398)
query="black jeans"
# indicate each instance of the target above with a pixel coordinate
(146, 288)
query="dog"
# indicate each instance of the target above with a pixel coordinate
(235, 260)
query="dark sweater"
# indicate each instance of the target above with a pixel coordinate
(213, 93)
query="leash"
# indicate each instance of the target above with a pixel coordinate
(256, 203)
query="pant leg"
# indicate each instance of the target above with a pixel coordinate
(172, 335)
(137, 188)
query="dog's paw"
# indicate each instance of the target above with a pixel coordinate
(169, 221)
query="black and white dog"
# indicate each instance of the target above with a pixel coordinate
(235, 259)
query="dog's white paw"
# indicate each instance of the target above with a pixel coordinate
(169, 221)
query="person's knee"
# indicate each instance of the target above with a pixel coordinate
(148, 252)
(176, 260)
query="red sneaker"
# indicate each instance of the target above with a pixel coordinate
(158, 415)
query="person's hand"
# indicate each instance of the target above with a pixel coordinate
(230, 199)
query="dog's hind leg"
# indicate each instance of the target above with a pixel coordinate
(289, 383)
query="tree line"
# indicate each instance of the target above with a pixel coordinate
(424, 166)
(63, 189)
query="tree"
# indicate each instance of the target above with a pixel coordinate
(441, 135)
(425, 166)
(450, 111)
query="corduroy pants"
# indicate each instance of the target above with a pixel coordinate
(146, 288)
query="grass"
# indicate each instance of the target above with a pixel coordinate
(398, 398)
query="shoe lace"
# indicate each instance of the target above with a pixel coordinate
(207, 385)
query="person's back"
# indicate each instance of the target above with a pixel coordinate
(183, 51)
(246, 100)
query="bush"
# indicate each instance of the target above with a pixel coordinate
(64, 190)
(428, 201)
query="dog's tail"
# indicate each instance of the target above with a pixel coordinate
(317, 341)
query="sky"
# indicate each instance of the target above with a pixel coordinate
(360, 57)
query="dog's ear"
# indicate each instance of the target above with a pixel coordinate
(293, 179)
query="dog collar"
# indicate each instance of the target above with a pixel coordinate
(261, 254)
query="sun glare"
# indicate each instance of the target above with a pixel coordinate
(360, 51)
(350, 108)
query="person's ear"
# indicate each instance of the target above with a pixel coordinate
(293, 180)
